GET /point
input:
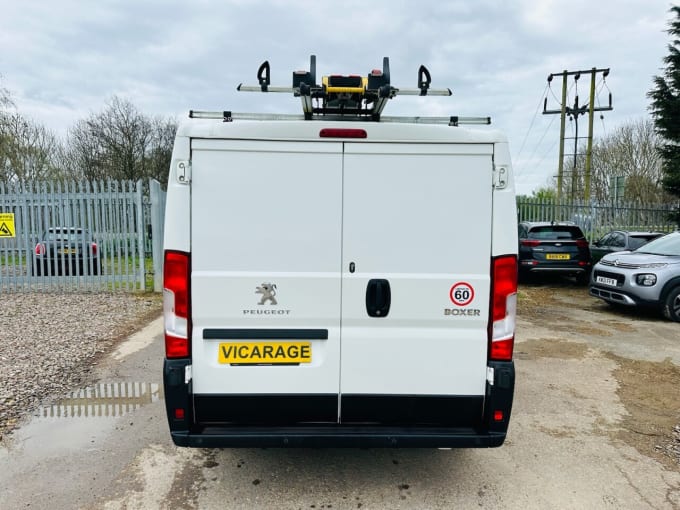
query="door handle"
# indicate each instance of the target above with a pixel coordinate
(378, 298)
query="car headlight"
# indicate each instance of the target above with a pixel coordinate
(646, 280)
(655, 265)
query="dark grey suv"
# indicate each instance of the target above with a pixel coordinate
(553, 247)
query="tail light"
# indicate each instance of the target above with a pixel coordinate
(93, 248)
(176, 305)
(582, 243)
(503, 308)
(40, 249)
(530, 242)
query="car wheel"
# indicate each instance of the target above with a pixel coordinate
(671, 307)
(583, 278)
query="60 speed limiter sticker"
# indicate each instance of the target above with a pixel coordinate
(462, 294)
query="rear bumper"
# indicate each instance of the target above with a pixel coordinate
(340, 436)
(401, 421)
(547, 268)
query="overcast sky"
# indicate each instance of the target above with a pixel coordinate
(64, 59)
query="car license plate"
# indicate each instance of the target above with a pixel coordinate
(264, 353)
(68, 251)
(557, 256)
(606, 281)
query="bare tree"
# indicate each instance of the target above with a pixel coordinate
(625, 165)
(29, 151)
(159, 153)
(121, 143)
(5, 105)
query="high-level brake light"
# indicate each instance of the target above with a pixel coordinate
(342, 133)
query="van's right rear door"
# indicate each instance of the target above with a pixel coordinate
(417, 233)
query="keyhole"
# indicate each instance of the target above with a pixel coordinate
(352, 267)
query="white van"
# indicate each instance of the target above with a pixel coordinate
(338, 283)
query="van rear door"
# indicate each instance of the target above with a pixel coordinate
(265, 280)
(416, 237)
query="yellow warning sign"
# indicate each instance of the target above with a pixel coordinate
(7, 225)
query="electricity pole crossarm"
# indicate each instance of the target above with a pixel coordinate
(574, 113)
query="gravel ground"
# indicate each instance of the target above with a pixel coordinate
(50, 341)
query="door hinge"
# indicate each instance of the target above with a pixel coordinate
(500, 176)
(184, 172)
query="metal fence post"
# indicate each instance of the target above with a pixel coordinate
(140, 236)
(156, 196)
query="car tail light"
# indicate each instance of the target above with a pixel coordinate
(530, 242)
(176, 305)
(582, 243)
(40, 249)
(93, 248)
(503, 308)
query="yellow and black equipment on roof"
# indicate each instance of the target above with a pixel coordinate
(353, 95)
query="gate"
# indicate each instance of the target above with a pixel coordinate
(123, 222)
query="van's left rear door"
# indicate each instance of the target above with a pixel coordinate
(266, 222)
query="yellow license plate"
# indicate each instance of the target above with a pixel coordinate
(264, 353)
(67, 251)
(557, 256)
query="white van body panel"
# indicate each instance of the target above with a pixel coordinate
(298, 214)
(266, 212)
(408, 220)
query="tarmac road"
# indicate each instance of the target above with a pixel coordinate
(572, 440)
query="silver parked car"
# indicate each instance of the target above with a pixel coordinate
(648, 276)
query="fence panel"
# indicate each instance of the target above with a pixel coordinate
(115, 214)
(596, 219)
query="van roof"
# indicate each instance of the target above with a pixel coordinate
(309, 130)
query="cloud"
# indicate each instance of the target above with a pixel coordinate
(65, 59)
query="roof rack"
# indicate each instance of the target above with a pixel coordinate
(353, 96)
(228, 116)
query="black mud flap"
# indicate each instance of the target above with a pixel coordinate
(498, 402)
(177, 399)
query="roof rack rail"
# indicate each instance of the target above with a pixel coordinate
(228, 116)
(351, 95)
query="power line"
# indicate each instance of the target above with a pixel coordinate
(538, 106)
(538, 144)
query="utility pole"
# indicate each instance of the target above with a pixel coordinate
(574, 113)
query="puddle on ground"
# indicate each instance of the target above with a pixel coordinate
(103, 401)
(85, 416)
